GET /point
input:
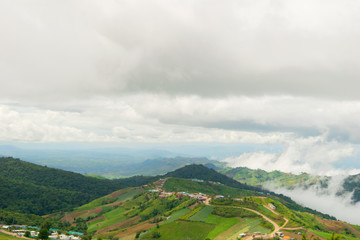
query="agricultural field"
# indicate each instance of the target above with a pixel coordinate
(4, 236)
(221, 224)
(202, 215)
(246, 225)
(176, 215)
(181, 229)
(110, 218)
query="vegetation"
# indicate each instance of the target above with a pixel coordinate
(4, 236)
(258, 177)
(229, 212)
(180, 184)
(181, 229)
(10, 218)
(221, 225)
(30, 188)
(207, 174)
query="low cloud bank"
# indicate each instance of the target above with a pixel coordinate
(325, 200)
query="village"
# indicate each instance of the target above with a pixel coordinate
(33, 232)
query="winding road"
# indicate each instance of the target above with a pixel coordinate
(277, 228)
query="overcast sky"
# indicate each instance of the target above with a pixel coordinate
(253, 72)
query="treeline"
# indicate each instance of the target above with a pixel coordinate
(12, 218)
(30, 188)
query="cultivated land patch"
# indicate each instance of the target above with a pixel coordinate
(131, 230)
(180, 230)
(121, 225)
(176, 215)
(221, 224)
(4, 236)
(69, 217)
(112, 217)
(249, 225)
(129, 195)
(336, 226)
(202, 215)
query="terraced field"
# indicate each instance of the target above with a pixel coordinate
(221, 225)
(202, 215)
(246, 225)
(180, 230)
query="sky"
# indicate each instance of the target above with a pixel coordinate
(264, 73)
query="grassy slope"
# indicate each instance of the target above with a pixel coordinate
(180, 229)
(185, 185)
(202, 215)
(4, 236)
(221, 224)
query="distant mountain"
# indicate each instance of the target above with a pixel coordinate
(352, 184)
(159, 166)
(30, 188)
(260, 177)
(85, 160)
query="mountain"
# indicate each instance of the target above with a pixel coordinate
(197, 171)
(134, 213)
(258, 177)
(352, 184)
(261, 178)
(159, 166)
(30, 188)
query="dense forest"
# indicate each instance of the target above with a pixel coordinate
(30, 188)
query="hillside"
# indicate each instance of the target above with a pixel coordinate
(201, 172)
(136, 212)
(30, 188)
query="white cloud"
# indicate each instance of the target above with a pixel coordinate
(313, 155)
(259, 72)
(325, 200)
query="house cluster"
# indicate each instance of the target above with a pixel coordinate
(282, 237)
(201, 197)
(69, 236)
(34, 232)
(272, 207)
(166, 194)
(254, 234)
(161, 182)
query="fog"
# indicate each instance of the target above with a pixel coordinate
(325, 200)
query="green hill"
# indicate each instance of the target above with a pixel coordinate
(196, 171)
(30, 188)
(201, 172)
(259, 177)
(137, 213)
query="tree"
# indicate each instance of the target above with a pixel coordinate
(27, 234)
(43, 234)
(155, 234)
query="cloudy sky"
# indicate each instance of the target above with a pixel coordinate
(267, 72)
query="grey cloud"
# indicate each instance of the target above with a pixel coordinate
(79, 49)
